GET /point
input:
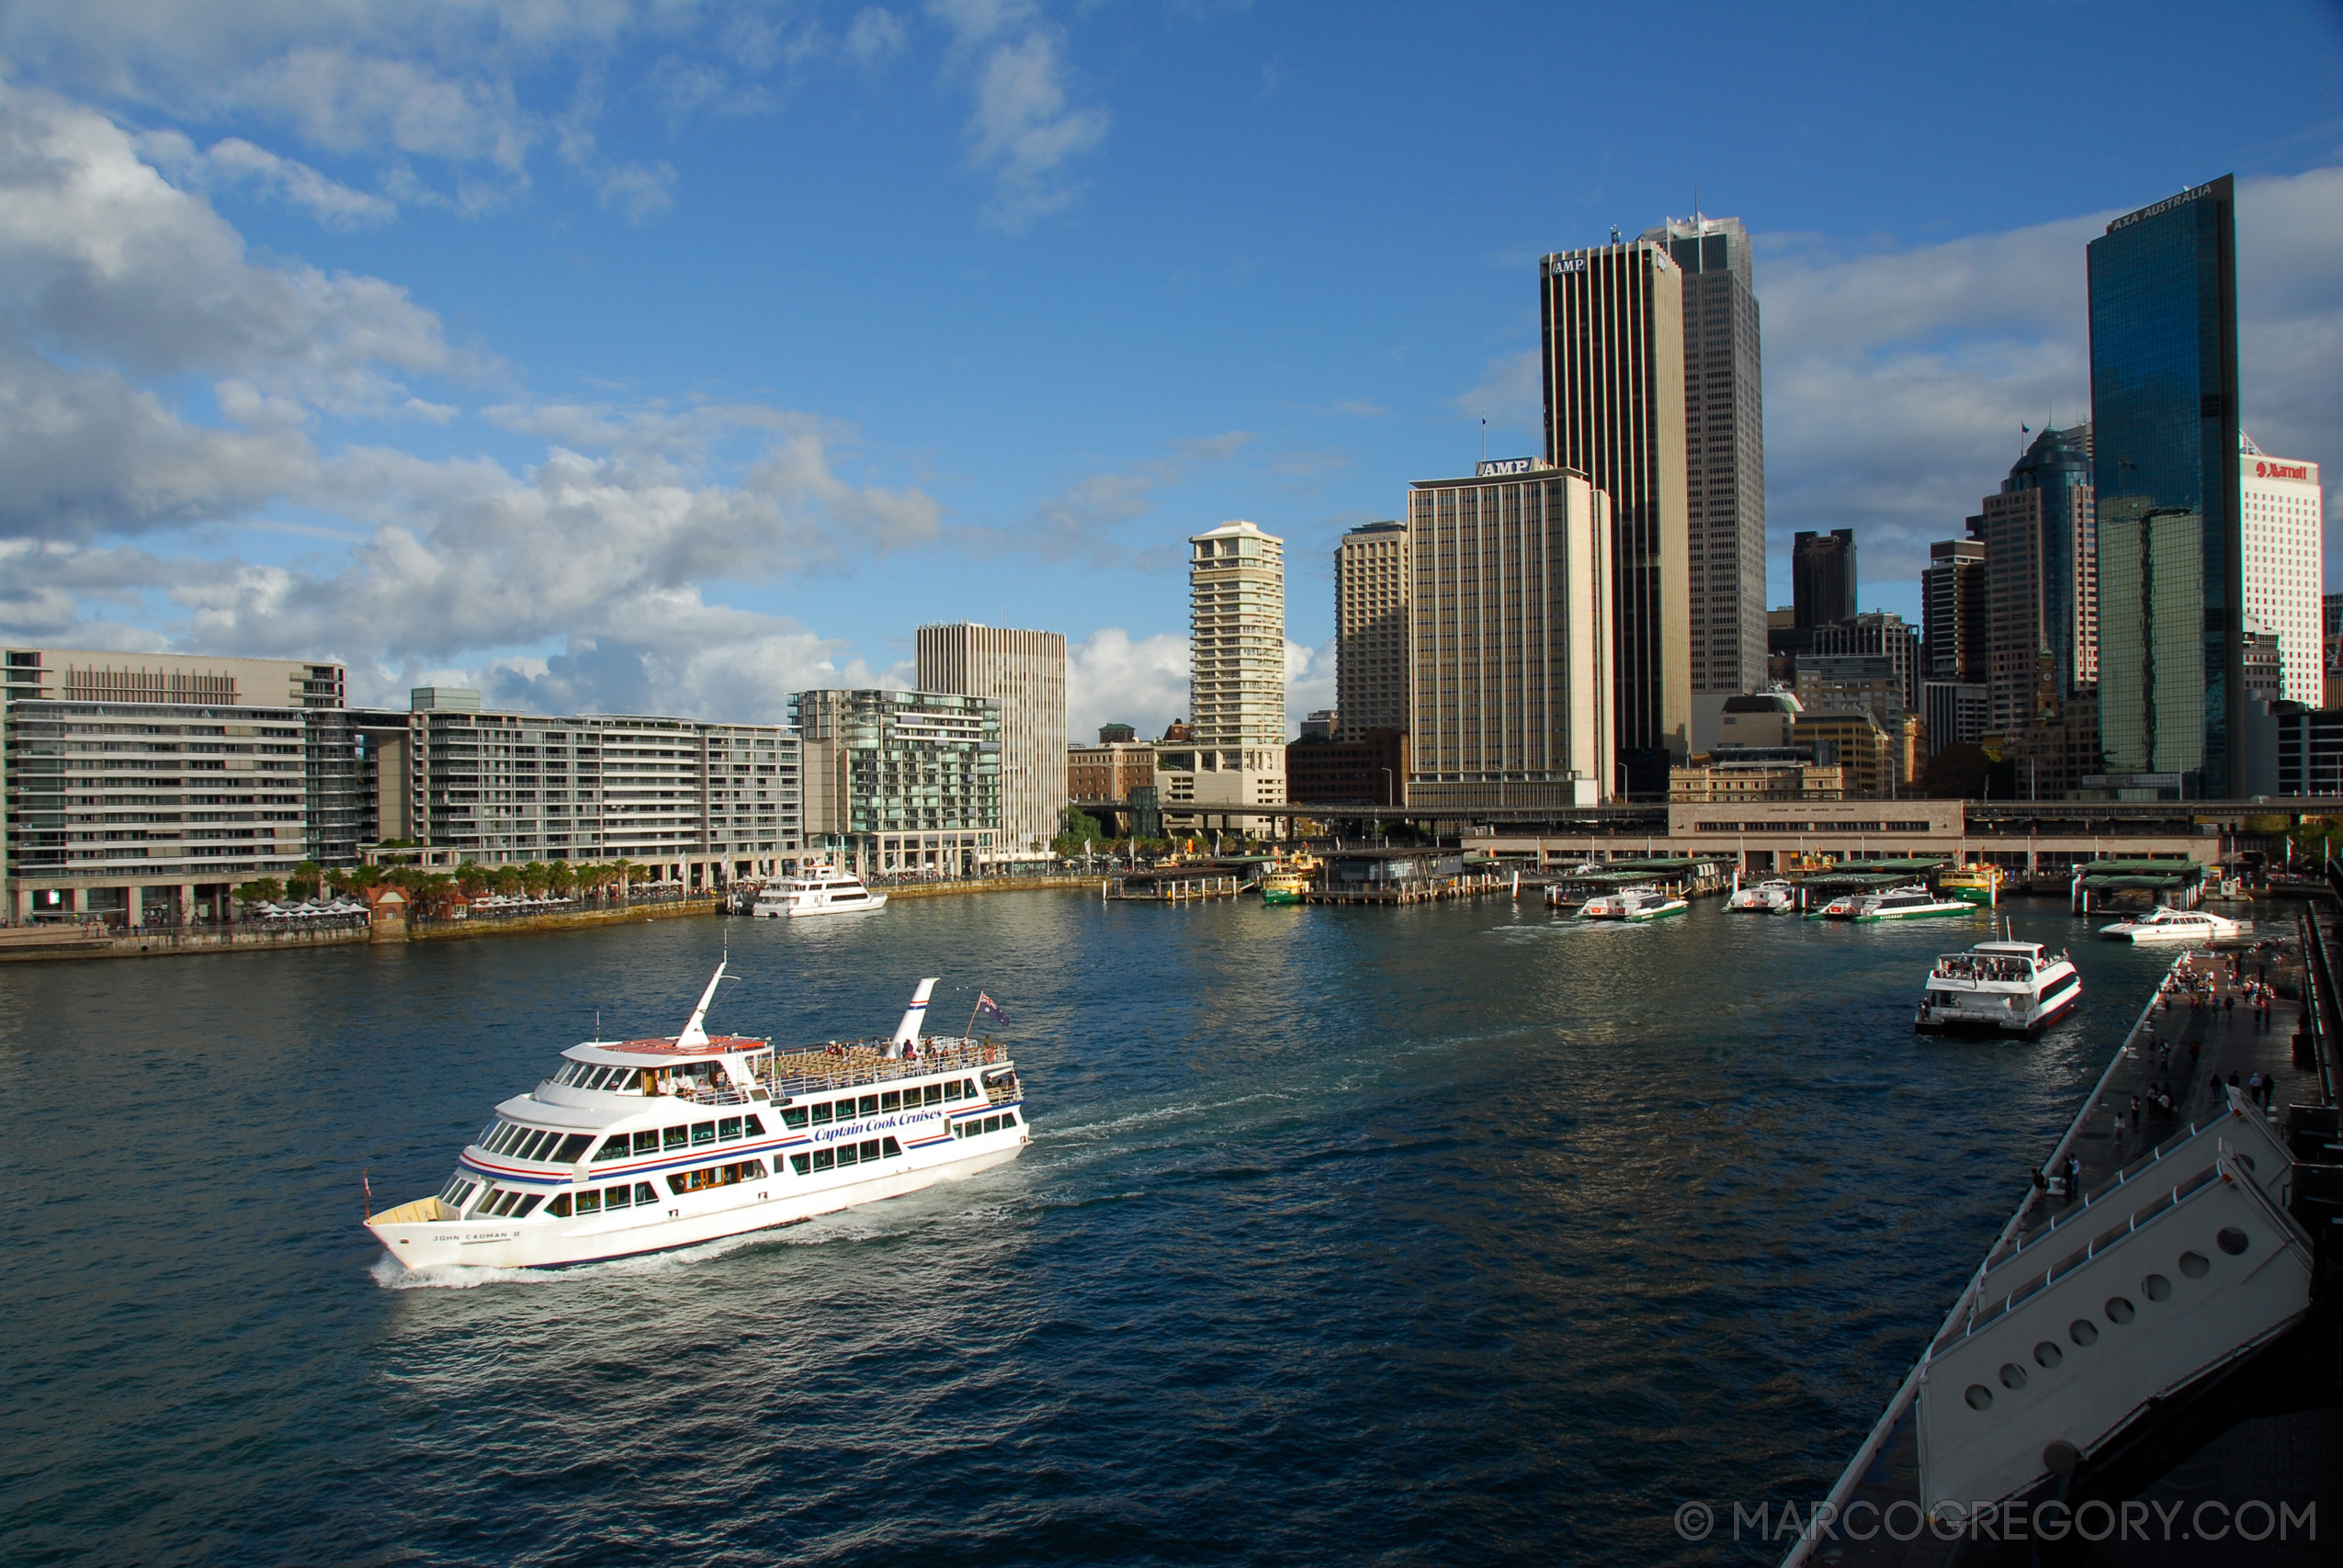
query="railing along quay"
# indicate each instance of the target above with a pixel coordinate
(2129, 1170)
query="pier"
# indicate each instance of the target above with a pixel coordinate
(2135, 1164)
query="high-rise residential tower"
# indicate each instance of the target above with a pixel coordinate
(1612, 331)
(2166, 454)
(1724, 451)
(1510, 641)
(2042, 584)
(1371, 630)
(1237, 665)
(1822, 577)
(1024, 671)
(2281, 516)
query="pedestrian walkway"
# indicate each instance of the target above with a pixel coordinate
(2188, 1011)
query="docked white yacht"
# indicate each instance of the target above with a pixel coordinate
(1912, 903)
(2161, 924)
(2010, 988)
(1771, 897)
(640, 1146)
(1632, 904)
(818, 890)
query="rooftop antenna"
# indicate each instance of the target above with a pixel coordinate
(1483, 438)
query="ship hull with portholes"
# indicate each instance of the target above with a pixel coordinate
(647, 1145)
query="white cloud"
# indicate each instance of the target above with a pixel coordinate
(1086, 516)
(234, 163)
(1112, 679)
(1022, 131)
(638, 192)
(110, 276)
(1310, 683)
(1895, 382)
(1510, 395)
(876, 34)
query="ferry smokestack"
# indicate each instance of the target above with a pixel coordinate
(914, 1018)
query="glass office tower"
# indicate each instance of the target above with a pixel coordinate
(2164, 411)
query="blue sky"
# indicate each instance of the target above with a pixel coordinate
(675, 356)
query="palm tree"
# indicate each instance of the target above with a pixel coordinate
(473, 878)
(307, 878)
(563, 877)
(536, 877)
(261, 890)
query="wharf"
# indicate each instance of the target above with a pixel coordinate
(2279, 1393)
(1474, 884)
(1167, 887)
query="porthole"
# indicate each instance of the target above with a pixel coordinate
(2047, 1354)
(2013, 1376)
(1979, 1396)
(2119, 1310)
(2155, 1288)
(2195, 1265)
(2232, 1240)
(2083, 1331)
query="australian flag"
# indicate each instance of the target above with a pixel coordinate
(987, 1008)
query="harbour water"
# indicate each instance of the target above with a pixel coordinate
(1453, 1231)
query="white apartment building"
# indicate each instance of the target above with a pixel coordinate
(140, 787)
(1237, 673)
(2281, 517)
(1024, 671)
(698, 803)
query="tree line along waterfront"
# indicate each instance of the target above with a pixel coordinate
(437, 894)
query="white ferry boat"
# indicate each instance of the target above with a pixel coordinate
(2011, 987)
(820, 890)
(1764, 898)
(1912, 903)
(641, 1146)
(2161, 924)
(1631, 904)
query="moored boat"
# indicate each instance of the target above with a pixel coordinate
(2003, 986)
(1292, 881)
(1633, 904)
(1910, 903)
(1978, 881)
(1771, 898)
(642, 1145)
(2161, 924)
(819, 889)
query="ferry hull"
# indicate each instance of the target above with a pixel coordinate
(1941, 1021)
(875, 901)
(1958, 911)
(1273, 896)
(502, 1244)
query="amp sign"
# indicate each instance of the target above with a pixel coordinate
(1501, 466)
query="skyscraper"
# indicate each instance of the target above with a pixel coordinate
(2042, 584)
(1822, 577)
(1371, 630)
(2163, 412)
(1237, 665)
(2282, 523)
(1025, 672)
(1614, 365)
(1952, 611)
(1510, 641)
(1724, 451)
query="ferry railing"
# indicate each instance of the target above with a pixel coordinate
(864, 1062)
(1876, 1439)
